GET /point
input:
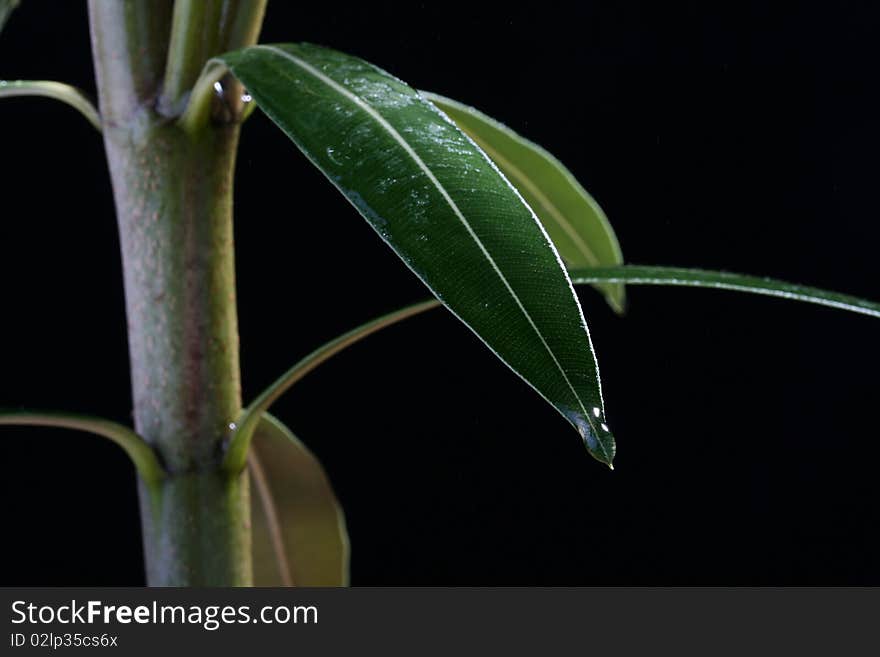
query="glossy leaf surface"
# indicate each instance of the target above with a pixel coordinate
(444, 208)
(303, 523)
(574, 220)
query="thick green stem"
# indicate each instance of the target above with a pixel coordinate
(197, 530)
(174, 203)
(173, 194)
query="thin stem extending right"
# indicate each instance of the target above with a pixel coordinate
(236, 454)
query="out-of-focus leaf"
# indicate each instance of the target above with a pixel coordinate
(437, 200)
(6, 7)
(299, 535)
(573, 219)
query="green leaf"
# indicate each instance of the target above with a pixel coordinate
(6, 7)
(438, 201)
(573, 219)
(299, 535)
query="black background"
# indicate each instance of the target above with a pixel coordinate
(740, 136)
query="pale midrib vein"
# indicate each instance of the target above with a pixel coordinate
(542, 199)
(455, 209)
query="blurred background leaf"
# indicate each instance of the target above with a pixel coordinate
(6, 7)
(299, 535)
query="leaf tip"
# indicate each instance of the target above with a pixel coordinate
(618, 303)
(603, 451)
(596, 435)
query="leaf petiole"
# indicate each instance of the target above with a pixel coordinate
(57, 90)
(140, 453)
